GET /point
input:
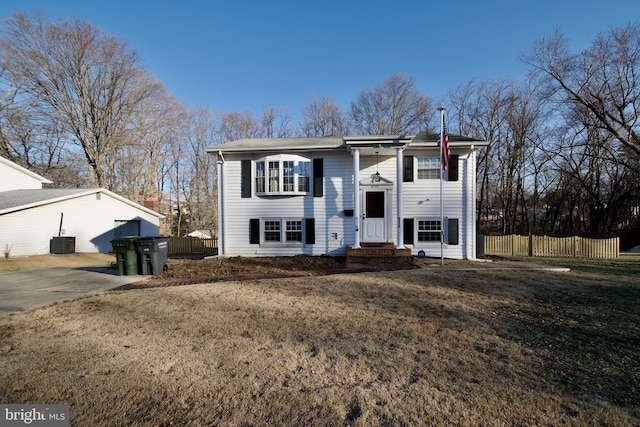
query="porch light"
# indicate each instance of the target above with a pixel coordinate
(376, 177)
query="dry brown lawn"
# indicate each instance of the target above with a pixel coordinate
(425, 346)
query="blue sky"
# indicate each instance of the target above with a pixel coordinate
(240, 55)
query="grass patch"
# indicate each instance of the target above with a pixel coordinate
(623, 266)
(589, 335)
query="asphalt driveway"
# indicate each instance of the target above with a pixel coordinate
(27, 289)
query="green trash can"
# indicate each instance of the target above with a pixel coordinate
(152, 253)
(126, 255)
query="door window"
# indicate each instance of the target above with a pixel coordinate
(375, 204)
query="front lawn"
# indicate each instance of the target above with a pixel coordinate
(426, 346)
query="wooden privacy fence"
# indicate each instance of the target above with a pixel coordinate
(545, 246)
(192, 246)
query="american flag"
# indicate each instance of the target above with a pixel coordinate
(445, 152)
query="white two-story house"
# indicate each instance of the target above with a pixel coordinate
(317, 196)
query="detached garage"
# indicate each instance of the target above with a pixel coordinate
(35, 221)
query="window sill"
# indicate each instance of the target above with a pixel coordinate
(426, 245)
(282, 245)
(275, 195)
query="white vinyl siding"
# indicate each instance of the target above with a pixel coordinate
(327, 211)
(421, 201)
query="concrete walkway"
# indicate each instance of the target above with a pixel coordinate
(27, 289)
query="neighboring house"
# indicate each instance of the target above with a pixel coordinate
(14, 176)
(201, 234)
(316, 196)
(31, 216)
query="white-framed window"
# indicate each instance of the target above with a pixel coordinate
(429, 168)
(260, 177)
(282, 230)
(282, 174)
(428, 230)
(293, 230)
(303, 176)
(271, 231)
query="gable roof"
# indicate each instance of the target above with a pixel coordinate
(339, 142)
(16, 200)
(25, 171)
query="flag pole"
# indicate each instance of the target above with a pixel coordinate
(441, 144)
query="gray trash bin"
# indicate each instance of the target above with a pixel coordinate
(152, 254)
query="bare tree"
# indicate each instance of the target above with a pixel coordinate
(322, 117)
(395, 106)
(510, 117)
(481, 110)
(154, 127)
(79, 78)
(200, 189)
(276, 123)
(603, 78)
(37, 145)
(234, 125)
(595, 187)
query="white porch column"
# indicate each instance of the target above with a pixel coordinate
(356, 197)
(470, 176)
(399, 173)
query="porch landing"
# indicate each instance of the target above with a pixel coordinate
(378, 253)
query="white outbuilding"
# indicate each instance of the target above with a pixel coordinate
(35, 221)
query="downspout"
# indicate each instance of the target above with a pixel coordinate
(221, 217)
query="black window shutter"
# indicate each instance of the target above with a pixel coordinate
(254, 231)
(245, 179)
(318, 174)
(407, 224)
(453, 167)
(453, 231)
(310, 231)
(407, 169)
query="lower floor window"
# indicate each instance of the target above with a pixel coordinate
(429, 230)
(294, 231)
(282, 230)
(272, 231)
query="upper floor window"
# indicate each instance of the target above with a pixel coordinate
(429, 168)
(282, 175)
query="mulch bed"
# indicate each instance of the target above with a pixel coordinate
(189, 272)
